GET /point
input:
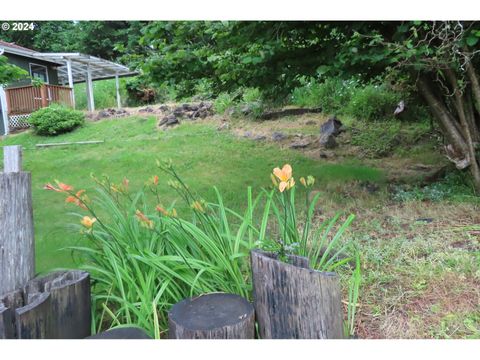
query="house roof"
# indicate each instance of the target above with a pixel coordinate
(80, 63)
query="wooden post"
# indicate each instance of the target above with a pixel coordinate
(44, 95)
(117, 87)
(17, 248)
(293, 301)
(89, 86)
(70, 82)
(212, 316)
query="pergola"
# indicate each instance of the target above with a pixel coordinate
(76, 67)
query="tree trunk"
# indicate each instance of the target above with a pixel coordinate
(212, 316)
(293, 301)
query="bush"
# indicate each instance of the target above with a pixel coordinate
(55, 120)
(223, 102)
(252, 103)
(332, 95)
(373, 103)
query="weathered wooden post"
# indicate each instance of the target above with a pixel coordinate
(17, 247)
(293, 301)
(212, 316)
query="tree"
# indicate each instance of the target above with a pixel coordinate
(9, 72)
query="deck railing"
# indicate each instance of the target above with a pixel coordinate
(26, 99)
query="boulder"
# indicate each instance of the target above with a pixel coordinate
(146, 109)
(300, 143)
(278, 136)
(328, 131)
(169, 120)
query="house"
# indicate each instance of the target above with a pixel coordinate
(57, 72)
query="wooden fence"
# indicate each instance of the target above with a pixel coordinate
(26, 99)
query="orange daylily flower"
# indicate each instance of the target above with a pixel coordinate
(144, 220)
(50, 187)
(64, 187)
(77, 200)
(160, 209)
(285, 177)
(88, 221)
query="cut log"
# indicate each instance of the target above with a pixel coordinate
(70, 301)
(288, 112)
(55, 306)
(293, 301)
(71, 143)
(212, 316)
(17, 250)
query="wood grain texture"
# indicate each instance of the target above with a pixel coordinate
(212, 316)
(12, 159)
(17, 248)
(293, 301)
(55, 306)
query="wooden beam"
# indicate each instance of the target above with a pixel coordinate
(71, 143)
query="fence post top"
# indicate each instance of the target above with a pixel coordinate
(12, 159)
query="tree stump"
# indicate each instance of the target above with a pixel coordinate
(212, 316)
(55, 306)
(293, 301)
(17, 250)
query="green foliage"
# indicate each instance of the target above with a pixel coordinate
(455, 186)
(9, 72)
(55, 120)
(144, 260)
(373, 103)
(332, 95)
(105, 94)
(222, 103)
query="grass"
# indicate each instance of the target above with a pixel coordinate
(419, 279)
(202, 155)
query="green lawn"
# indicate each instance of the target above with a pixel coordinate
(202, 155)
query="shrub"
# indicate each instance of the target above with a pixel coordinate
(332, 95)
(373, 103)
(55, 120)
(252, 103)
(223, 102)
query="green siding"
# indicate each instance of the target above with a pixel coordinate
(24, 63)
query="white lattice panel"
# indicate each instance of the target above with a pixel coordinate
(18, 121)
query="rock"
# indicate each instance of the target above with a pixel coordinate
(260, 138)
(278, 136)
(332, 126)
(178, 111)
(326, 154)
(147, 109)
(103, 114)
(311, 122)
(328, 131)
(370, 187)
(223, 126)
(246, 109)
(247, 134)
(169, 120)
(425, 220)
(300, 144)
(164, 108)
(328, 141)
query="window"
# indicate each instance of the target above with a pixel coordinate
(39, 72)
